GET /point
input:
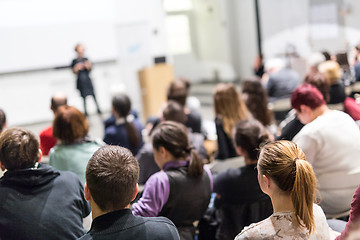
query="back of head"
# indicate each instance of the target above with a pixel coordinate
(229, 105)
(69, 124)
(173, 137)
(112, 174)
(174, 112)
(121, 104)
(177, 91)
(284, 162)
(2, 120)
(257, 100)
(320, 81)
(19, 149)
(250, 135)
(307, 95)
(57, 100)
(332, 71)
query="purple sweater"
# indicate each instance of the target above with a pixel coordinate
(157, 190)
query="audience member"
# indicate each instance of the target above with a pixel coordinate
(182, 190)
(239, 196)
(332, 71)
(126, 131)
(289, 180)
(229, 109)
(75, 148)
(2, 120)
(47, 140)
(172, 112)
(313, 61)
(111, 184)
(330, 140)
(357, 63)
(282, 81)
(37, 201)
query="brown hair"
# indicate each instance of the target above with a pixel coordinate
(320, 81)
(111, 175)
(178, 92)
(229, 106)
(174, 138)
(173, 111)
(332, 71)
(2, 120)
(257, 101)
(122, 105)
(69, 124)
(19, 149)
(284, 162)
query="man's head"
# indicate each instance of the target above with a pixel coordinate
(2, 120)
(112, 174)
(174, 112)
(306, 99)
(19, 149)
(79, 48)
(178, 92)
(57, 100)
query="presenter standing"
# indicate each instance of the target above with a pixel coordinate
(81, 66)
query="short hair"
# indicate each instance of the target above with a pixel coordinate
(178, 92)
(69, 124)
(112, 174)
(320, 81)
(19, 148)
(308, 95)
(173, 111)
(58, 100)
(332, 71)
(2, 120)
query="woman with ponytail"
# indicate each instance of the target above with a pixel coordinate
(182, 190)
(289, 180)
(127, 130)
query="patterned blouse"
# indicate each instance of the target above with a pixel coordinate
(283, 225)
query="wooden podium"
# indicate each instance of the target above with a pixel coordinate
(154, 82)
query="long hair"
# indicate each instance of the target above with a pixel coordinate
(229, 106)
(174, 138)
(284, 162)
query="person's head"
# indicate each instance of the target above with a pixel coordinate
(274, 64)
(256, 100)
(173, 111)
(170, 142)
(305, 100)
(314, 60)
(283, 170)
(178, 92)
(57, 100)
(327, 55)
(320, 81)
(2, 120)
(229, 105)
(332, 71)
(248, 136)
(69, 124)
(19, 149)
(112, 174)
(80, 49)
(121, 105)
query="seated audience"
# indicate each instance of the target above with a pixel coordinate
(239, 196)
(289, 180)
(182, 190)
(37, 201)
(47, 140)
(229, 109)
(332, 71)
(172, 112)
(75, 148)
(126, 131)
(330, 140)
(111, 184)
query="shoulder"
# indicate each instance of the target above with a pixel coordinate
(157, 179)
(161, 228)
(258, 230)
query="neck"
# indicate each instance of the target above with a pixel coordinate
(281, 202)
(323, 109)
(97, 212)
(249, 161)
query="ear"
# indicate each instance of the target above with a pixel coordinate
(267, 181)
(2, 166)
(87, 193)
(304, 108)
(162, 151)
(136, 192)
(239, 150)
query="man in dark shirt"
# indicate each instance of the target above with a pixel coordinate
(111, 184)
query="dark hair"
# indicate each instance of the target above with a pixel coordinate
(308, 95)
(112, 174)
(178, 92)
(2, 120)
(250, 135)
(326, 55)
(257, 101)
(69, 124)
(174, 138)
(284, 162)
(320, 81)
(19, 148)
(122, 105)
(57, 101)
(174, 112)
